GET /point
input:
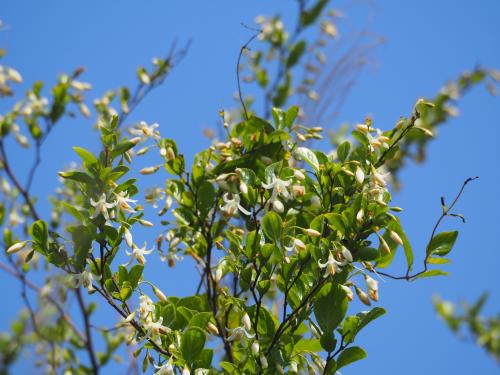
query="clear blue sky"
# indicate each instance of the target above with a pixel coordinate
(427, 43)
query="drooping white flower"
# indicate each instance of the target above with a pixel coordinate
(280, 187)
(85, 279)
(154, 329)
(333, 266)
(146, 307)
(139, 253)
(124, 202)
(232, 205)
(239, 334)
(372, 287)
(165, 369)
(102, 207)
(296, 246)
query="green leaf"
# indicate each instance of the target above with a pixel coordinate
(272, 226)
(366, 254)
(308, 345)
(121, 148)
(350, 355)
(86, 156)
(442, 243)
(39, 232)
(330, 307)
(200, 320)
(297, 51)
(396, 227)
(291, 115)
(82, 240)
(354, 324)
(343, 151)
(309, 16)
(309, 157)
(431, 273)
(192, 343)
(135, 274)
(77, 176)
(206, 197)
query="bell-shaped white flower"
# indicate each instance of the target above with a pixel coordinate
(334, 266)
(85, 279)
(102, 207)
(232, 205)
(165, 369)
(146, 307)
(280, 187)
(239, 334)
(296, 246)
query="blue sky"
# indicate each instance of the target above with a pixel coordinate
(426, 43)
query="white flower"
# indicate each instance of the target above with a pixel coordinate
(138, 253)
(123, 202)
(166, 369)
(102, 207)
(379, 178)
(296, 246)
(145, 131)
(85, 279)
(146, 306)
(333, 266)
(280, 187)
(155, 328)
(232, 205)
(372, 287)
(239, 334)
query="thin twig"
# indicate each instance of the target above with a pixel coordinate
(242, 49)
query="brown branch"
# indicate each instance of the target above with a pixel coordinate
(446, 212)
(88, 341)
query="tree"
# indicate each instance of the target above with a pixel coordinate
(283, 235)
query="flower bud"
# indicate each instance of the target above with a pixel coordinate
(298, 191)
(135, 140)
(360, 215)
(384, 245)
(278, 206)
(243, 187)
(360, 175)
(255, 348)
(145, 223)
(158, 293)
(186, 371)
(263, 361)
(348, 292)
(246, 322)
(169, 153)
(128, 237)
(149, 170)
(16, 247)
(362, 128)
(218, 274)
(212, 329)
(299, 175)
(299, 245)
(363, 297)
(312, 233)
(395, 237)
